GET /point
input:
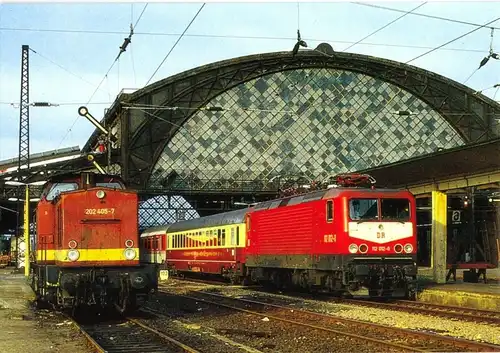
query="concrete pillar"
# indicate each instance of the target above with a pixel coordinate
(439, 233)
(496, 228)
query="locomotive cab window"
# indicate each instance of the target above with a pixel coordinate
(57, 188)
(395, 210)
(111, 185)
(329, 210)
(363, 209)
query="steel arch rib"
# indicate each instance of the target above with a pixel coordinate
(197, 87)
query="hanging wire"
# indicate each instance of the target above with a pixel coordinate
(298, 15)
(122, 49)
(387, 25)
(424, 15)
(469, 77)
(496, 92)
(175, 44)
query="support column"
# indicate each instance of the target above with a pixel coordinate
(27, 242)
(439, 233)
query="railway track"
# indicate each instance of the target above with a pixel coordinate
(446, 311)
(127, 335)
(464, 314)
(383, 336)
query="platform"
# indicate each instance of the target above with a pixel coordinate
(24, 330)
(483, 296)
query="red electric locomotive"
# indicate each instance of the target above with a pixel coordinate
(87, 244)
(348, 240)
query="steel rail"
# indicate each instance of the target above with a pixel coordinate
(214, 335)
(293, 322)
(164, 336)
(457, 342)
(89, 338)
(456, 312)
(100, 349)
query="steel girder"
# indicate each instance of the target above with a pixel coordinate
(144, 133)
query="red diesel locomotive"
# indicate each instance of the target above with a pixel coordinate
(87, 244)
(347, 240)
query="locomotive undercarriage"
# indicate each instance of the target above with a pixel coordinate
(341, 275)
(124, 289)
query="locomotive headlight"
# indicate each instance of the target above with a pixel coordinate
(363, 248)
(398, 248)
(129, 254)
(408, 248)
(72, 244)
(129, 243)
(73, 254)
(100, 194)
(353, 248)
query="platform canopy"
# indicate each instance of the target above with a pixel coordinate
(318, 113)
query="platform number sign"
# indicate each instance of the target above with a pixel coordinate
(455, 216)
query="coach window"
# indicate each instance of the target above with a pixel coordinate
(238, 235)
(329, 210)
(155, 243)
(219, 237)
(223, 237)
(233, 239)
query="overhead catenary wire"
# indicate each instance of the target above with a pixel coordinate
(470, 76)
(452, 40)
(222, 36)
(423, 15)
(385, 26)
(151, 107)
(496, 92)
(497, 85)
(228, 36)
(62, 67)
(122, 49)
(63, 103)
(176, 42)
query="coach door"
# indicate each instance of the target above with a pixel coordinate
(234, 241)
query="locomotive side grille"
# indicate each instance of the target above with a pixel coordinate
(285, 229)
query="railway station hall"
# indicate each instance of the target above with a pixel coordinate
(239, 133)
